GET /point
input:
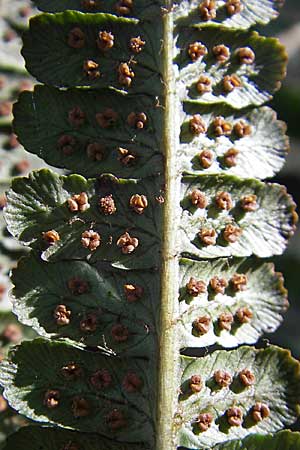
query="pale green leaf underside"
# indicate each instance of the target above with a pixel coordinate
(141, 9)
(10, 58)
(264, 296)
(39, 204)
(258, 80)
(51, 60)
(260, 154)
(17, 13)
(264, 232)
(41, 287)
(276, 384)
(253, 12)
(35, 368)
(45, 438)
(41, 119)
(284, 440)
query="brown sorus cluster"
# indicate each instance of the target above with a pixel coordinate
(204, 421)
(125, 75)
(246, 377)
(71, 371)
(62, 315)
(51, 237)
(71, 446)
(5, 108)
(12, 333)
(221, 52)
(196, 50)
(230, 157)
(116, 420)
(21, 166)
(260, 411)
(218, 285)
(225, 321)
(76, 116)
(207, 236)
(51, 398)
(206, 158)
(249, 203)
(89, 324)
(137, 120)
(95, 151)
(105, 40)
(67, 143)
(124, 7)
(3, 289)
(132, 382)
(221, 127)
(234, 416)
(78, 202)
(126, 157)
(198, 199)
(201, 324)
(197, 125)
(222, 378)
(244, 315)
(107, 205)
(204, 84)
(208, 10)
(12, 141)
(89, 4)
(138, 203)
(195, 383)
(245, 55)
(127, 243)
(136, 44)
(230, 82)
(233, 7)
(133, 292)
(239, 282)
(80, 407)
(232, 233)
(107, 118)
(101, 379)
(3, 404)
(242, 129)
(78, 286)
(76, 38)
(90, 239)
(91, 69)
(195, 287)
(224, 201)
(120, 333)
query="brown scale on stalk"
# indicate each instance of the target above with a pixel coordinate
(206, 158)
(221, 127)
(224, 201)
(105, 40)
(76, 38)
(127, 243)
(76, 116)
(51, 237)
(125, 74)
(137, 120)
(132, 383)
(90, 239)
(202, 324)
(196, 50)
(195, 287)
(197, 125)
(225, 321)
(242, 129)
(198, 199)
(204, 84)
(91, 69)
(66, 144)
(208, 236)
(95, 151)
(78, 202)
(62, 315)
(133, 292)
(101, 379)
(207, 9)
(138, 203)
(222, 378)
(231, 82)
(107, 118)
(221, 53)
(218, 285)
(232, 233)
(107, 205)
(136, 44)
(195, 384)
(204, 421)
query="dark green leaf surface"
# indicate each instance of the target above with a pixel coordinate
(276, 384)
(264, 296)
(141, 9)
(36, 367)
(261, 154)
(38, 204)
(41, 287)
(259, 80)
(253, 11)
(51, 60)
(264, 232)
(43, 438)
(41, 119)
(284, 440)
